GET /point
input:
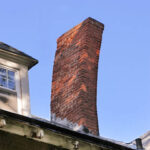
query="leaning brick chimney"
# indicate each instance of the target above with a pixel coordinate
(74, 84)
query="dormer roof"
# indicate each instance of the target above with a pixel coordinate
(16, 55)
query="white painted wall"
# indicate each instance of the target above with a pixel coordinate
(22, 85)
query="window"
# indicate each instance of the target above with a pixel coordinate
(7, 78)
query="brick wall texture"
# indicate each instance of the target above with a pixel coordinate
(74, 83)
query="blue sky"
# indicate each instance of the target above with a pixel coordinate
(123, 97)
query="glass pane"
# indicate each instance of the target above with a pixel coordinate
(3, 81)
(11, 85)
(3, 71)
(11, 75)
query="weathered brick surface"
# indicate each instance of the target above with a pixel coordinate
(74, 84)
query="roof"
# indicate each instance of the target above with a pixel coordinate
(145, 140)
(10, 49)
(107, 143)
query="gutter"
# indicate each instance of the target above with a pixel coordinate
(65, 131)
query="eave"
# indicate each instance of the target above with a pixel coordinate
(26, 122)
(21, 59)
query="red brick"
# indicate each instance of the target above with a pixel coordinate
(74, 85)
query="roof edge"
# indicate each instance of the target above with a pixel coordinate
(7, 49)
(53, 127)
(28, 61)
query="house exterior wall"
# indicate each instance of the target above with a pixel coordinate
(22, 89)
(9, 141)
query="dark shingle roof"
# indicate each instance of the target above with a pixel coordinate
(13, 50)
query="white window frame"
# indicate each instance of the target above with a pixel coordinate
(22, 85)
(13, 70)
(17, 87)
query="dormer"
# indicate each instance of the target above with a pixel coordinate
(14, 84)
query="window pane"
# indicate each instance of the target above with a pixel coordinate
(3, 81)
(11, 85)
(2, 71)
(11, 75)
(7, 79)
